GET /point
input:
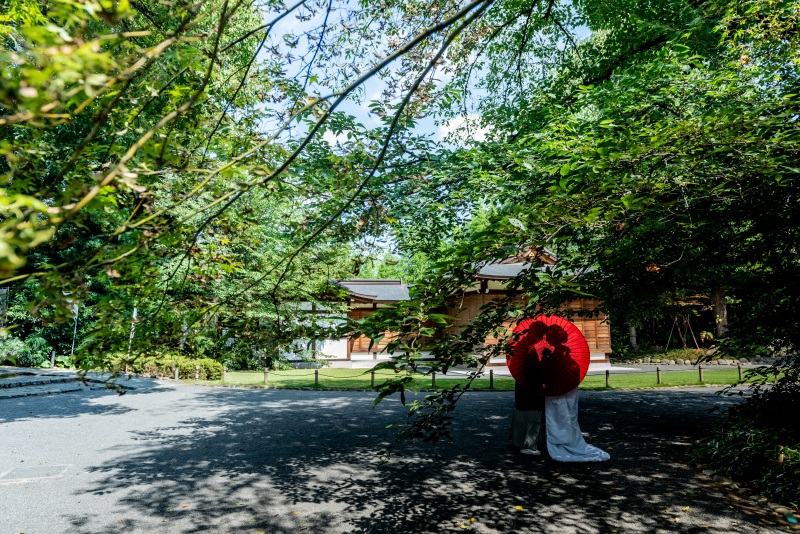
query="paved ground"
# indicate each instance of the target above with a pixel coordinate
(173, 458)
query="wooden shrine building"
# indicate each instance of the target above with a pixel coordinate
(367, 295)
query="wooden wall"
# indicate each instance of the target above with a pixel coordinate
(596, 330)
(361, 344)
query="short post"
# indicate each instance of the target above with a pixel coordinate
(608, 378)
(433, 380)
(176, 373)
(316, 377)
(197, 372)
(372, 379)
(374, 355)
(53, 360)
(266, 374)
(739, 367)
(224, 372)
(126, 368)
(658, 374)
(700, 371)
(491, 378)
(779, 454)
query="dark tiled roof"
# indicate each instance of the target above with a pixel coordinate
(371, 290)
(394, 290)
(502, 271)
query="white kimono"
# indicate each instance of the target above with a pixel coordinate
(565, 442)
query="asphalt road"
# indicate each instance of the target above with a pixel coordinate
(177, 459)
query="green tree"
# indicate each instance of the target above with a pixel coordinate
(171, 156)
(657, 161)
(175, 156)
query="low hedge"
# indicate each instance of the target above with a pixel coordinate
(208, 369)
(163, 365)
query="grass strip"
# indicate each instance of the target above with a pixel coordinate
(360, 379)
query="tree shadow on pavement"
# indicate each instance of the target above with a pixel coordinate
(76, 403)
(299, 461)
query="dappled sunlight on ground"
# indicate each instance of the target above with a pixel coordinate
(216, 460)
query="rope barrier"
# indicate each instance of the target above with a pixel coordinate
(307, 375)
(310, 372)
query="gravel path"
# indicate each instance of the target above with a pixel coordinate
(174, 458)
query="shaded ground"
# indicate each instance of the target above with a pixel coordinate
(190, 459)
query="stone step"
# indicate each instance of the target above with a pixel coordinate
(45, 389)
(35, 380)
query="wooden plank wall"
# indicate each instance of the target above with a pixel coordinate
(596, 330)
(470, 310)
(361, 344)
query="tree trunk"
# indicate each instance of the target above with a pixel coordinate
(681, 333)
(632, 335)
(720, 312)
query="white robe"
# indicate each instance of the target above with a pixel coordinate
(565, 442)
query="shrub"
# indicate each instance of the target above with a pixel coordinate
(64, 361)
(748, 454)
(36, 353)
(11, 349)
(164, 366)
(744, 446)
(139, 364)
(209, 369)
(33, 352)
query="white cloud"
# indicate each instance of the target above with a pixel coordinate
(333, 139)
(463, 128)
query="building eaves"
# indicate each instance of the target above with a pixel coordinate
(376, 291)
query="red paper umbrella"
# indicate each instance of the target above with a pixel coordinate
(548, 353)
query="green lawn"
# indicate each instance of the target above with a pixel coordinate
(723, 377)
(360, 379)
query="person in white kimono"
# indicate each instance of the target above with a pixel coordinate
(565, 442)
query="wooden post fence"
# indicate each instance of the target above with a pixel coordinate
(700, 370)
(372, 379)
(739, 367)
(176, 373)
(658, 374)
(266, 374)
(224, 372)
(197, 372)
(433, 380)
(316, 377)
(491, 378)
